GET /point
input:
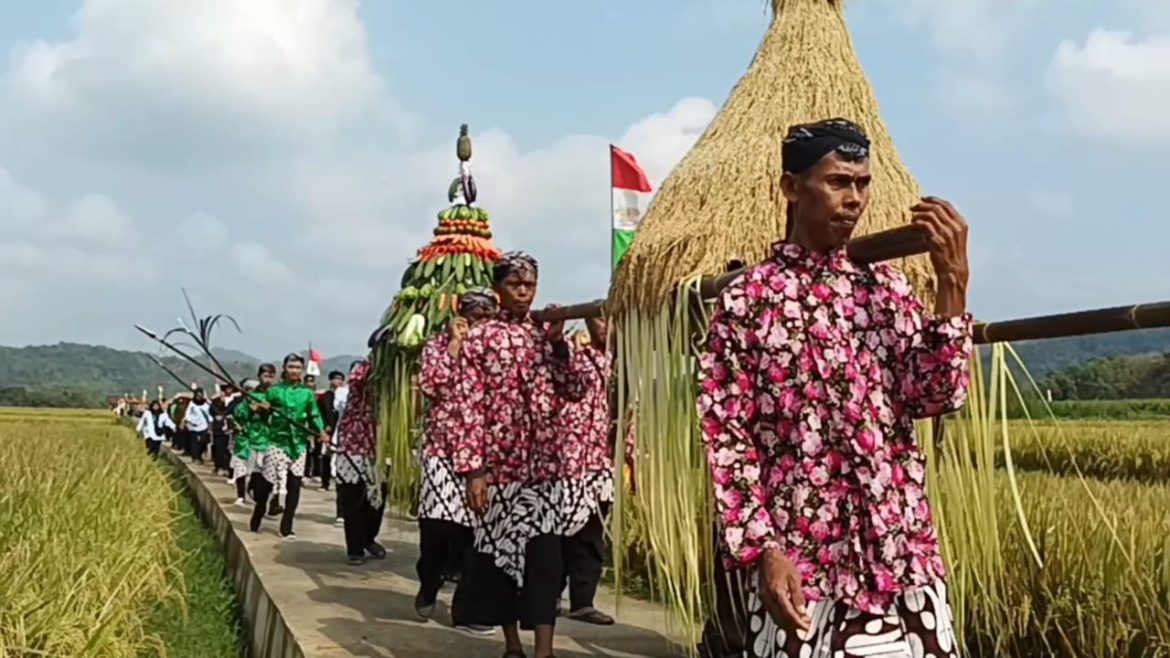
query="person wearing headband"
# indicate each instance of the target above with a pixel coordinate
(512, 373)
(293, 414)
(443, 521)
(814, 371)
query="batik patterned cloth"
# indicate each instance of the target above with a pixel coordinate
(511, 385)
(916, 624)
(814, 373)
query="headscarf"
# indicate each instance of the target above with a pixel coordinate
(477, 298)
(356, 431)
(513, 261)
(806, 144)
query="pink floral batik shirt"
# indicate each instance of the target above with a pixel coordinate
(814, 373)
(437, 380)
(583, 426)
(511, 382)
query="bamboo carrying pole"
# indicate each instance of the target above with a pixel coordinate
(901, 242)
(908, 241)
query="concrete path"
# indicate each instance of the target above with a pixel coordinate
(329, 609)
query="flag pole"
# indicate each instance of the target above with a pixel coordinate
(612, 227)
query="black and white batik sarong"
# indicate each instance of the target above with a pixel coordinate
(240, 467)
(917, 625)
(358, 469)
(275, 465)
(516, 513)
(573, 501)
(441, 492)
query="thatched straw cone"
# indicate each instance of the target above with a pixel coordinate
(723, 200)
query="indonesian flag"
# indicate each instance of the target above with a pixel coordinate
(631, 195)
(314, 366)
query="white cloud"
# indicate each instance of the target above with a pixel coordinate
(248, 76)
(1116, 86)
(973, 29)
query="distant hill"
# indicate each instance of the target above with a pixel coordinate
(95, 371)
(1043, 357)
(77, 372)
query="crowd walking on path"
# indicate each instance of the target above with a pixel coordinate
(812, 375)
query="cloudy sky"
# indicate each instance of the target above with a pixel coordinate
(282, 159)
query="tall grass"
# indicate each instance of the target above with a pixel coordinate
(85, 538)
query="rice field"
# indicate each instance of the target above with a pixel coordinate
(100, 555)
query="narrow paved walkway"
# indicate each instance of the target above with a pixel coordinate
(334, 609)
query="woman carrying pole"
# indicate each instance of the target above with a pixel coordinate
(587, 469)
(443, 523)
(512, 372)
(361, 493)
(816, 368)
(153, 427)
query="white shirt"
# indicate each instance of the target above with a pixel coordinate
(340, 397)
(147, 426)
(198, 417)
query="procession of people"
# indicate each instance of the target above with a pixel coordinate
(814, 370)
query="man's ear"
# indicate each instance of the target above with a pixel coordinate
(788, 186)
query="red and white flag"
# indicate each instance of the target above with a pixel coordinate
(631, 195)
(314, 366)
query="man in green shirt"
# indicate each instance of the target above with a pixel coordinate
(293, 423)
(251, 438)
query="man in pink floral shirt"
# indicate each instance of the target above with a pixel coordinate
(513, 374)
(816, 368)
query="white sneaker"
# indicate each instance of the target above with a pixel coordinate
(475, 629)
(240, 503)
(339, 523)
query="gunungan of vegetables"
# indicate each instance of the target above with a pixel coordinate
(459, 257)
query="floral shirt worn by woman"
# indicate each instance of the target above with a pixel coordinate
(583, 444)
(512, 381)
(815, 370)
(440, 493)
(437, 380)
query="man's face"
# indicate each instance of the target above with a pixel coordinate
(336, 381)
(293, 370)
(311, 381)
(829, 200)
(267, 378)
(516, 292)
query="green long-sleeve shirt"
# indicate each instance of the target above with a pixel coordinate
(294, 406)
(254, 427)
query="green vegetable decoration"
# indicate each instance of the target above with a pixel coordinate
(459, 257)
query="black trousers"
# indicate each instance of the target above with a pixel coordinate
(441, 546)
(182, 439)
(152, 447)
(725, 634)
(583, 555)
(363, 521)
(326, 467)
(493, 599)
(262, 490)
(313, 460)
(220, 457)
(197, 444)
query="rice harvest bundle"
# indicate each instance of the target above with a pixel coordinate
(459, 257)
(723, 202)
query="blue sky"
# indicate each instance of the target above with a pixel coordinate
(282, 159)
